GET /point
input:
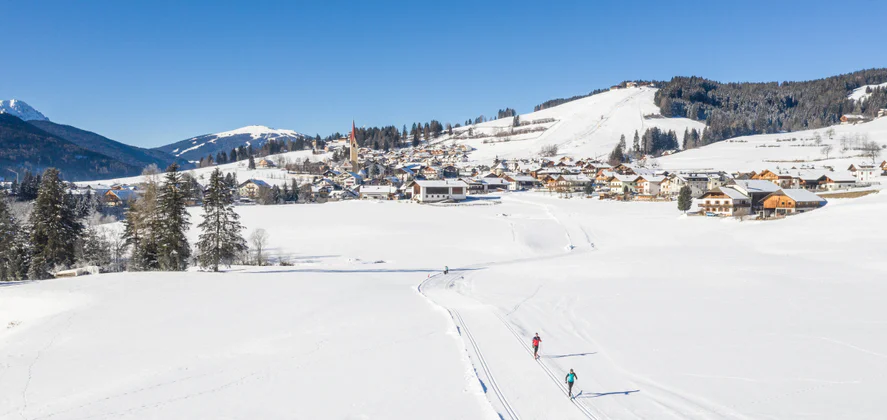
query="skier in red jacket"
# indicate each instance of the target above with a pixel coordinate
(536, 342)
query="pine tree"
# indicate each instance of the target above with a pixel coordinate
(140, 223)
(54, 228)
(172, 224)
(685, 199)
(220, 240)
(9, 227)
(252, 163)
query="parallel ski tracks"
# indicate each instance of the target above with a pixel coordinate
(582, 408)
(483, 365)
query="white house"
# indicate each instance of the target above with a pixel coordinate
(439, 190)
(864, 173)
(377, 192)
(724, 201)
(650, 184)
(520, 182)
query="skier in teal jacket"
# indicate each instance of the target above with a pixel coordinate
(570, 379)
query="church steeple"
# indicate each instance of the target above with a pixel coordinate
(353, 146)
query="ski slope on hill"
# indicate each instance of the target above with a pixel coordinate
(662, 316)
(783, 150)
(587, 127)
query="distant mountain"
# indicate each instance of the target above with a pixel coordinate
(195, 148)
(24, 146)
(129, 155)
(21, 110)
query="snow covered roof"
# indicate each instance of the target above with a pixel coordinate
(441, 183)
(575, 178)
(730, 192)
(258, 182)
(625, 178)
(802, 195)
(653, 178)
(756, 185)
(522, 178)
(377, 189)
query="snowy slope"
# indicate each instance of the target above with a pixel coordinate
(273, 176)
(662, 316)
(859, 93)
(21, 109)
(771, 150)
(585, 127)
(195, 148)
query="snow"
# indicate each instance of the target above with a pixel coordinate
(257, 131)
(587, 127)
(661, 315)
(859, 93)
(272, 176)
(22, 110)
(762, 151)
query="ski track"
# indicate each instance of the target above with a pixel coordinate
(449, 282)
(483, 364)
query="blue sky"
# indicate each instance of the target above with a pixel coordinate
(153, 72)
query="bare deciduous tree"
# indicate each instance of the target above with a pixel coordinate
(549, 150)
(259, 239)
(826, 150)
(871, 149)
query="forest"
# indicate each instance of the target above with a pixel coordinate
(739, 109)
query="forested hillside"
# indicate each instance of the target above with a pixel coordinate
(738, 109)
(26, 147)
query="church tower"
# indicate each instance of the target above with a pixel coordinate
(353, 146)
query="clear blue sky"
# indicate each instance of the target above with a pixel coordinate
(153, 72)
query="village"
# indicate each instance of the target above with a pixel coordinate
(442, 175)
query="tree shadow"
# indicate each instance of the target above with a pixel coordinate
(364, 270)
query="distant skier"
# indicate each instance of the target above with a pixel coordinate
(570, 379)
(536, 342)
(446, 269)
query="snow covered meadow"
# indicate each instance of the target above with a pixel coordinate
(661, 315)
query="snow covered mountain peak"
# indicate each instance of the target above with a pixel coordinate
(257, 131)
(22, 110)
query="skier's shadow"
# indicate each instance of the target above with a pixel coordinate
(604, 394)
(560, 356)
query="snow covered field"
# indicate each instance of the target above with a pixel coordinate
(662, 316)
(763, 151)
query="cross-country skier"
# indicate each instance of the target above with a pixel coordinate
(536, 342)
(570, 379)
(446, 269)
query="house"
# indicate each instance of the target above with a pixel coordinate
(265, 163)
(439, 190)
(884, 166)
(724, 201)
(698, 184)
(650, 184)
(853, 119)
(250, 188)
(836, 180)
(754, 189)
(378, 192)
(495, 183)
(620, 184)
(521, 182)
(571, 182)
(117, 198)
(350, 179)
(782, 179)
(864, 173)
(790, 201)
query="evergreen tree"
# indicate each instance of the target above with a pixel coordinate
(685, 199)
(172, 223)
(220, 240)
(636, 144)
(9, 228)
(515, 122)
(140, 225)
(54, 228)
(94, 249)
(252, 163)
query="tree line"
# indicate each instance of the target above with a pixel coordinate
(55, 235)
